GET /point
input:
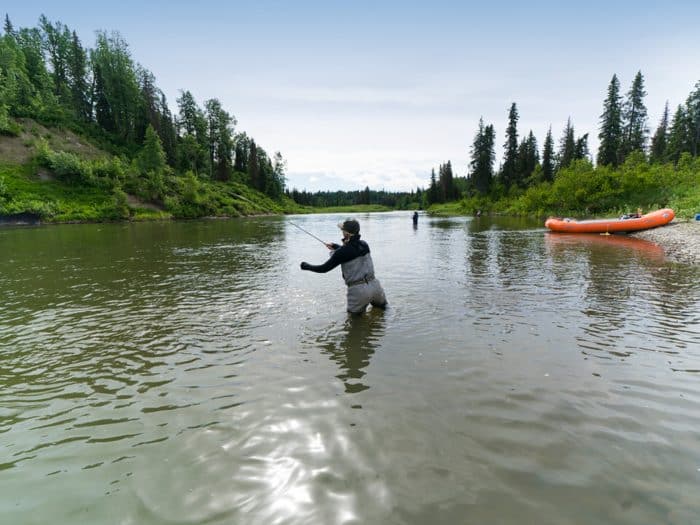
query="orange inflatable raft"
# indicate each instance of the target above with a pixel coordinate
(621, 225)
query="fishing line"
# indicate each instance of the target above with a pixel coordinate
(308, 233)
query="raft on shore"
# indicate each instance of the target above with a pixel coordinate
(624, 224)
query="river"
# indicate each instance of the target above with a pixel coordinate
(190, 372)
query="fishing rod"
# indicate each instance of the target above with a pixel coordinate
(308, 233)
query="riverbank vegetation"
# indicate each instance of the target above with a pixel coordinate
(86, 134)
(631, 170)
(585, 190)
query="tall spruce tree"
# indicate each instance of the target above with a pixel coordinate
(433, 195)
(254, 168)
(452, 190)
(151, 162)
(364, 196)
(448, 182)
(148, 111)
(442, 185)
(567, 146)
(168, 135)
(8, 28)
(634, 120)
(610, 135)
(509, 175)
(482, 158)
(528, 159)
(679, 135)
(548, 160)
(151, 158)
(581, 148)
(660, 139)
(103, 114)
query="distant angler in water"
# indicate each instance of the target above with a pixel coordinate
(357, 267)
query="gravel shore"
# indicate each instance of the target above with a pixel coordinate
(679, 239)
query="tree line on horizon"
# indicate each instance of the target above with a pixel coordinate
(401, 200)
(48, 75)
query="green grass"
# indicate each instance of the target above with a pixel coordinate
(448, 209)
(21, 191)
(89, 185)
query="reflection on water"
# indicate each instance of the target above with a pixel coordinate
(604, 248)
(191, 373)
(352, 346)
(627, 289)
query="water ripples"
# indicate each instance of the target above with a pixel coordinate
(516, 377)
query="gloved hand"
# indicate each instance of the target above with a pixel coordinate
(305, 266)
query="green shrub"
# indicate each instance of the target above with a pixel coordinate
(4, 191)
(45, 209)
(121, 208)
(8, 126)
(68, 167)
(109, 169)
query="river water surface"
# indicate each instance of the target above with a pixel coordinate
(189, 372)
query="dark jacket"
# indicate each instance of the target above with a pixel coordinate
(355, 251)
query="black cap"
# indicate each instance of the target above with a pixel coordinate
(350, 225)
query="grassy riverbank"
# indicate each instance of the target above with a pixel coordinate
(30, 191)
(54, 176)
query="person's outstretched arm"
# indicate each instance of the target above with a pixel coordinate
(340, 255)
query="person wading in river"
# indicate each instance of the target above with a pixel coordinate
(357, 268)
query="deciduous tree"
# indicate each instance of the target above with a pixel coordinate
(220, 139)
(116, 92)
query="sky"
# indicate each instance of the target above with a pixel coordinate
(377, 93)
